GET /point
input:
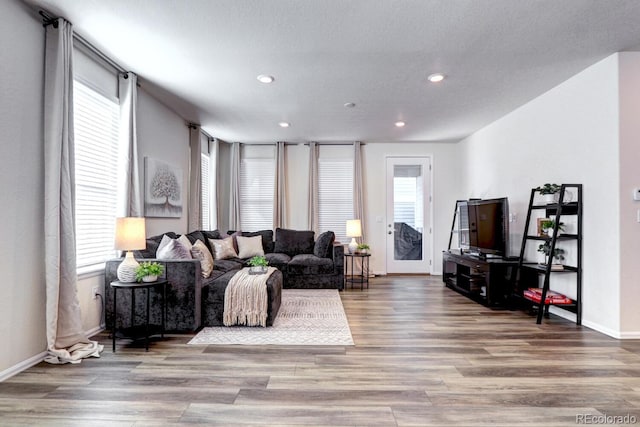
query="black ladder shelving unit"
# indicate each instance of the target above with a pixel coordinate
(569, 202)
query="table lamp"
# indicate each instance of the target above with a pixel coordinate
(130, 236)
(354, 229)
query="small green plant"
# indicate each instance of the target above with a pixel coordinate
(258, 261)
(549, 189)
(362, 246)
(148, 268)
(546, 224)
(545, 248)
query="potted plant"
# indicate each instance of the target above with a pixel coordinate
(363, 248)
(545, 248)
(148, 271)
(258, 265)
(549, 192)
(548, 225)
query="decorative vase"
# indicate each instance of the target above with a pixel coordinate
(149, 278)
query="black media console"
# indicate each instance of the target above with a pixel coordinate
(489, 281)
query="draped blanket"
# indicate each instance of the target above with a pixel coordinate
(246, 300)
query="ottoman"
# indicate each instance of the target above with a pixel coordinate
(213, 298)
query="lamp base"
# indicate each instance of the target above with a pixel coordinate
(127, 269)
(353, 246)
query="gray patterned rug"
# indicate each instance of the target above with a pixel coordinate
(306, 317)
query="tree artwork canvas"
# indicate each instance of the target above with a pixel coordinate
(163, 189)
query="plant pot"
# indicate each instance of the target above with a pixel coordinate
(260, 269)
(148, 279)
(549, 198)
(363, 251)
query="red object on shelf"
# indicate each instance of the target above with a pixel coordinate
(553, 298)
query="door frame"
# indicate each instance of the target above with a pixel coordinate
(428, 226)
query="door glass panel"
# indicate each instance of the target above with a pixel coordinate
(408, 211)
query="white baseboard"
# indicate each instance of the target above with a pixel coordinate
(596, 326)
(25, 364)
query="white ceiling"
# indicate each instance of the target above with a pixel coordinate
(201, 58)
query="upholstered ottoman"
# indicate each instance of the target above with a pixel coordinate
(213, 298)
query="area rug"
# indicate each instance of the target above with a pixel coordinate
(306, 317)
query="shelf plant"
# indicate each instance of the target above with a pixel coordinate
(547, 225)
(545, 248)
(149, 271)
(549, 191)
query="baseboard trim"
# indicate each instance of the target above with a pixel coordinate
(596, 326)
(25, 364)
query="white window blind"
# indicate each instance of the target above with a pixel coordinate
(335, 196)
(256, 194)
(96, 121)
(205, 191)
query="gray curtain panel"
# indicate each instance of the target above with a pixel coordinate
(194, 221)
(214, 153)
(66, 341)
(234, 199)
(313, 187)
(358, 188)
(129, 186)
(280, 188)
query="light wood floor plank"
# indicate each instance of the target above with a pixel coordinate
(423, 356)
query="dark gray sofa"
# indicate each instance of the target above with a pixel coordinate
(303, 263)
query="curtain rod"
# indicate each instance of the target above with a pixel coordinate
(337, 143)
(50, 19)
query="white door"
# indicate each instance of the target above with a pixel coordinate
(408, 224)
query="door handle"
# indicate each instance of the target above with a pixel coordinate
(390, 232)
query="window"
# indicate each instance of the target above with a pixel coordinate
(335, 195)
(257, 176)
(96, 123)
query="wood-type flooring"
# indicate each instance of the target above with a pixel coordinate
(423, 356)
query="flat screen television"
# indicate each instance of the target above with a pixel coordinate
(484, 226)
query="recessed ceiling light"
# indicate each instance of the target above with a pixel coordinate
(400, 124)
(263, 78)
(436, 78)
(349, 105)
(284, 124)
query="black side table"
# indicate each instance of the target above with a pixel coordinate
(133, 331)
(363, 276)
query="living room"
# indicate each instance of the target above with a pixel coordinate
(583, 129)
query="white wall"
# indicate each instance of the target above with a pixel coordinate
(447, 184)
(22, 294)
(163, 135)
(567, 135)
(448, 179)
(629, 93)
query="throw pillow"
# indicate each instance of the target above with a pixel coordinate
(200, 252)
(172, 249)
(324, 245)
(223, 248)
(185, 242)
(249, 247)
(293, 242)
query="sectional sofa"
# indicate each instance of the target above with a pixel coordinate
(194, 301)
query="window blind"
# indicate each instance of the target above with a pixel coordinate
(96, 124)
(335, 196)
(257, 178)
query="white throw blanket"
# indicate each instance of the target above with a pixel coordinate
(246, 300)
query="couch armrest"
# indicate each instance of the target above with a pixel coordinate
(183, 295)
(338, 258)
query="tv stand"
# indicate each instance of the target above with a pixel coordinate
(489, 281)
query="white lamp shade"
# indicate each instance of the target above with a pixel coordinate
(354, 228)
(130, 234)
